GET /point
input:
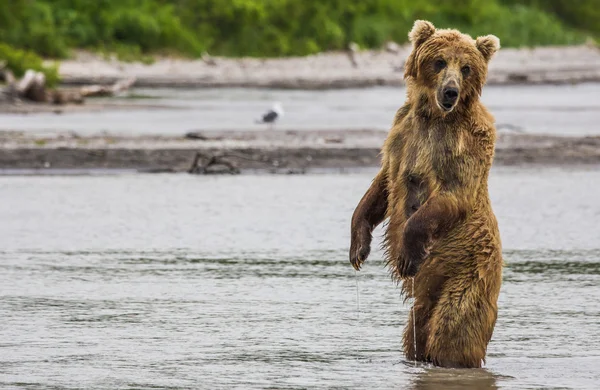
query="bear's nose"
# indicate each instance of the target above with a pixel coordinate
(450, 94)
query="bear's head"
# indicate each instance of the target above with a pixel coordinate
(448, 67)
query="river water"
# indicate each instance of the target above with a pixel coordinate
(535, 109)
(177, 281)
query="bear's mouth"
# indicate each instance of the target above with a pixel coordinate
(447, 97)
(447, 106)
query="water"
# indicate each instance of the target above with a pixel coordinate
(412, 280)
(547, 109)
(140, 281)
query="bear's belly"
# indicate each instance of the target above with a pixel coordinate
(416, 194)
(471, 244)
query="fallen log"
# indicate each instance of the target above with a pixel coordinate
(65, 96)
(212, 164)
(32, 87)
(107, 90)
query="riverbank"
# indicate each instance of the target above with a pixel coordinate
(542, 65)
(250, 151)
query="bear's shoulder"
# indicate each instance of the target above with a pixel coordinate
(482, 122)
(401, 113)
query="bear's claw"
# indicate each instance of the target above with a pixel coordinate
(412, 259)
(358, 256)
(360, 246)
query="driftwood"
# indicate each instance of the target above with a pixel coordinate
(32, 87)
(107, 90)
(224, 162)
(212, 164)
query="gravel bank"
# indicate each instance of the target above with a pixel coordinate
(277, 152)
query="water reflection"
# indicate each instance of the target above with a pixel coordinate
(454, 379)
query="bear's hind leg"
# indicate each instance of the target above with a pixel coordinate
(462, 323)
(422, 312)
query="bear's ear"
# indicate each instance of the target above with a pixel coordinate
(488, 45)
(422, 30)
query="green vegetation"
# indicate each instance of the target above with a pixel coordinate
(134, 28)
(20, 61)
(579, 14)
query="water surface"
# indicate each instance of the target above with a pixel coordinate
(139, 281)
(538, 109)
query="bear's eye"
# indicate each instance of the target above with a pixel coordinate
(439, 65)
(466, 70)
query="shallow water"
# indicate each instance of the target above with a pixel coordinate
(138, 281)
(539, 109)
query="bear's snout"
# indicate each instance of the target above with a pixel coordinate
(449, 97)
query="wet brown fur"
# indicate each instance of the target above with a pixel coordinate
(433, 189)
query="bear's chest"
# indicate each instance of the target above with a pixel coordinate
(434, 158)
(437, 145)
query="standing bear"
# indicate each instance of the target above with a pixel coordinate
(442, 238)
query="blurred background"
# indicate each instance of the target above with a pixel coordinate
(177, 180)
(134, 28)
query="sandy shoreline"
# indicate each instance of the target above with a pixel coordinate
(543, 65)
(276, 152)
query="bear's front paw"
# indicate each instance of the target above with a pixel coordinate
(414, 251)
(412, 256)
(360, 247)
(359, 255)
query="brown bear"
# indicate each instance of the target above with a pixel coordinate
(442, 234)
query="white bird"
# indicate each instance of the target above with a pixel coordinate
(272, 115)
